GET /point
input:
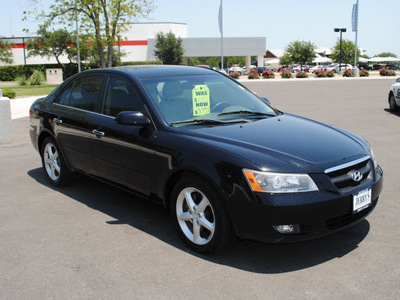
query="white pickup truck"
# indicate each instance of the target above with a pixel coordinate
(394, 96)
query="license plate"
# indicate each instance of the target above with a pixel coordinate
(361, 200)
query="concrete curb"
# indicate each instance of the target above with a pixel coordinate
(6, 129)
(20, 106)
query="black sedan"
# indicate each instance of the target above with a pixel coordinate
(219, 157)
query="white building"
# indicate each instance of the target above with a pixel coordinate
(138, 43)
(133, 44)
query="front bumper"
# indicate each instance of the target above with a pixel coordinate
(316, 214)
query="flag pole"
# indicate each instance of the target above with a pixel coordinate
(221, 29)
(355, 69)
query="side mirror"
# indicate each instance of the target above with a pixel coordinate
(398, 79)
(266, 100)
(134, 118)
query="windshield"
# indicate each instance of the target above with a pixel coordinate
(204, 97)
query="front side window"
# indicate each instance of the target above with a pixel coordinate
(120, 96)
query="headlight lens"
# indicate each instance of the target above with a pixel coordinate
(268, 182)
(374, 158)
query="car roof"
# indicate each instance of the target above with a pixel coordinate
(154, 71)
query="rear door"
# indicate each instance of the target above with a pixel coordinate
(73, 117)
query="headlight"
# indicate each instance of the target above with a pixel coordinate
(268, 182)
(374, 158)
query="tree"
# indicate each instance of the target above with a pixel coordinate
(5, 52)
(347, 52)
(169, 48)
(285, 60)
(386, 54)
(301, 52)
(103, 20)
(51, 44)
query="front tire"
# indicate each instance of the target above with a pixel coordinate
(199, 215)
(53, 163)
(392, 103)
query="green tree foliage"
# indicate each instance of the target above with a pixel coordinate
(169, 48)
(301, 52)
(103, 20)
(215, 61)
(51, 44)
(347, 52)
(285, 60)
(5, 52)
(386, 54)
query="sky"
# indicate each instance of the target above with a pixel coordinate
(280, 21)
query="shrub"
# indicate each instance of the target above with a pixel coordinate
(9, 73)
(320, 73)
(253, 74)
(348, 73)
(386, 72)
(21, 80)
(9, 93)
(267, 74)
(364, 73)
(234, 75)
(37, 78)
(330, 74)
(286, 74)
(301, 74)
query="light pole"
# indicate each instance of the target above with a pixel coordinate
(340, 53)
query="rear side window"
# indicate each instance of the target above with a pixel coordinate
(83, 94)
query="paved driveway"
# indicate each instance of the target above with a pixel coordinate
(91, 241)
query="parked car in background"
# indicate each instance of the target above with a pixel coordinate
(366, 67)
(338, 69)
(221, 159)
(315, 68)
(392, 67)
(204, 66)
(394, 96)
(295, 68)
(260, 69)
(377, 67)
(325, 67)
(236, 69)
(218, 69)
(282, 68)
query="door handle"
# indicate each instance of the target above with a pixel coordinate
(98, 132)
(57, 121)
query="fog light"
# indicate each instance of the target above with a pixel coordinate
(287, 228)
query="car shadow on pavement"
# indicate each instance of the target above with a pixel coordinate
(392, 112)
(153, 219)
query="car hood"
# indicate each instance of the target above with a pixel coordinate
(285, 142)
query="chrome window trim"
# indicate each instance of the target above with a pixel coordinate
(349, 164)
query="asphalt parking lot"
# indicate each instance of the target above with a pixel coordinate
(92, 241)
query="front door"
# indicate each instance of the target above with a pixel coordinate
(123, 154)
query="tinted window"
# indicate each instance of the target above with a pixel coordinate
(83, 94)
(120, 96)
(65, 96)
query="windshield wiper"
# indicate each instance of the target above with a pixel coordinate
(207, 122)
(246, 112)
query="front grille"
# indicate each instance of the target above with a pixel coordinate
(341, 176)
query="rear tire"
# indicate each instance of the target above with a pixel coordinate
(200, 217)
(53, 163)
